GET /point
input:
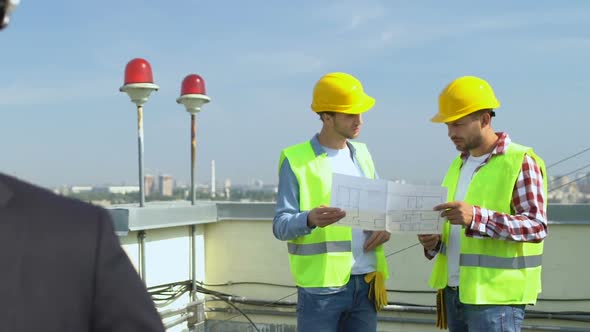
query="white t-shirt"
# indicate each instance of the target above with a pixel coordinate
(453, 250)
(341, 162)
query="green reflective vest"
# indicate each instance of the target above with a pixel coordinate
(493, 271)
(323, 258)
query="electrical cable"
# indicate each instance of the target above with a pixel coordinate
(163, 295)
(241, 312)
(568, 183)
(233, 299)
(404, 291)
(574, 171)
(555, 315)
(568, 158)
(231, 283)
(279, 285)
(167, 293)
(401, 250)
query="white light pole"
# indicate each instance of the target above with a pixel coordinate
(139, 83)
(193, 97)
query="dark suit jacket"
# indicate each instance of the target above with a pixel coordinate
(62, 268)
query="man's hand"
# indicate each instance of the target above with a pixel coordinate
(323, 216)
(458, 213)
(429, 241)
(376, 238)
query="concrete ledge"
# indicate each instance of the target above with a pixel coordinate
(159, 215)
(180, 213)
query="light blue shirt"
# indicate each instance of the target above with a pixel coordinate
(289, 222)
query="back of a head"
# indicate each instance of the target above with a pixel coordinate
(6, 9)
(340, 93)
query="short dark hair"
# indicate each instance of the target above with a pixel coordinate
(327, 113)
(480, 112)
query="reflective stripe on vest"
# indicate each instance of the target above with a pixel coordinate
(319, 248)
(522, 262)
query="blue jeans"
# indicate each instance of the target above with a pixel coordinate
(481, 318)
(348, 310)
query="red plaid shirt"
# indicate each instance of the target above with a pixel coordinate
(529, 221)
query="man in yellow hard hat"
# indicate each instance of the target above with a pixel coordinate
(488, 258)
(339, 271)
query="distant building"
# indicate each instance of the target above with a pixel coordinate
(256, 184)
(166, 184)
(560, 182)
(117, 189)
(227, 188)
(123, 189)
(213, 182)
(148, 184)
(583, 178)
(62, 190)
(79, 189)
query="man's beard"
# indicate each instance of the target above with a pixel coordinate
(470, 144)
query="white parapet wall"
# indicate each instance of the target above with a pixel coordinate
(236, 253)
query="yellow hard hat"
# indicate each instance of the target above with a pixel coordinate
(464, 96)
(342, 93)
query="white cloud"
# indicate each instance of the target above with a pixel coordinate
(349, 15)
(278, 63)
(46, 93)
(364, 15)
(563, 44)
(389, 30)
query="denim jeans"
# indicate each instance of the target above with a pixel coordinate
(481, 318)
(348, 310)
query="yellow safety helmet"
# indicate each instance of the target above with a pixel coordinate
(464, 96)
(342, 93)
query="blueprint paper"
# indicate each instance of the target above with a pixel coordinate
(365, 202)
(386, 205)
(409, 208)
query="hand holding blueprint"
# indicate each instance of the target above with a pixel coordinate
(386, 205)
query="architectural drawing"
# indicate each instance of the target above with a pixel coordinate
(385, 205)
(365, 202)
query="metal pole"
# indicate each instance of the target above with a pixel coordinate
(193, 262)
(193, 155)
(141, 246)
(140, 148)
(181, 319)
(193, 230)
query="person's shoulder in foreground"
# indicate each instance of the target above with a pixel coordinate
(64, 268)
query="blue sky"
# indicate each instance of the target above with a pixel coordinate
(65, 122)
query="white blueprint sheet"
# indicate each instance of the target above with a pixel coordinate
(385, 205)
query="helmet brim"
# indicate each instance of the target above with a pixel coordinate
(442, 118)
(367, 103)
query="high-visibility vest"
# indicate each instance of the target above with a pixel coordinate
(323, 258)
(493, 271)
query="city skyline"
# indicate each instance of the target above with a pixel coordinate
(65, 122)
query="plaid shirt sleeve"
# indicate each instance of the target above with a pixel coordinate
(529, 222)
